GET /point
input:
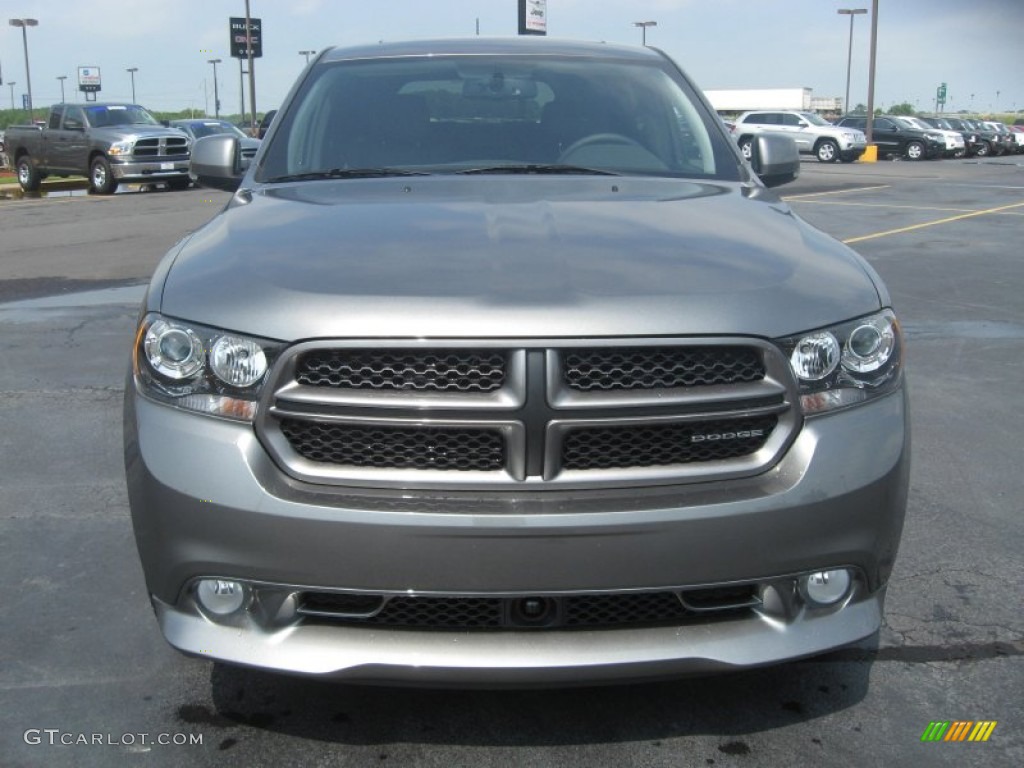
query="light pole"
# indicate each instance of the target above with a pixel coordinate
(216, 91)
(62, 78)
(12, 84)
(131, 71)
(25, 24)
(870, 128)
(851, 12)
(643, 29)
(307, 54)
(252, 69)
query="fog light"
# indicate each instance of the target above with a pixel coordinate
(826, 587)
(220, 597)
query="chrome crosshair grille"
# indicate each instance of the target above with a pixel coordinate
(471, 415)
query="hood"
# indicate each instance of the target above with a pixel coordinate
(511, 257)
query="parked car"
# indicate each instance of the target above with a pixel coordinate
(265, 123)
(1003, 136)
(972, 142)
(200, 128)
(1018, 136)
(955, 146)
(503, 366)
(892, 136)
(813, 134)
(991, 143)
(107, 143)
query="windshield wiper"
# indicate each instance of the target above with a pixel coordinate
(540, 168)
(345, 173)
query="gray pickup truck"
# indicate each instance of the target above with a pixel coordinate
(108, 143)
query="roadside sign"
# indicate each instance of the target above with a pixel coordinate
(239, 49)
(533, 17)
(89, 79)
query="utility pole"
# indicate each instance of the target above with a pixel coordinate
(216, 90)
(62, 78)
(252, 67)
(643, 30)
(870, 127)
(131, 71)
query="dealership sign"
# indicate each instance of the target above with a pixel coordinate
(239, 50)
(89, 79)
(533, 17)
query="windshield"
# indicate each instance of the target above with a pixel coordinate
(495, 114)
(201, 128)
(131, 114)
(915, 123)
(814, 119)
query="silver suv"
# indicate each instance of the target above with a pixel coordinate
(502, 366)
(814, 135)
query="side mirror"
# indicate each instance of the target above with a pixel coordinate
(775, 159)
(216, 162)
(165, 123)
(73, 125)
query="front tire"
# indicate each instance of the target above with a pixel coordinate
(827, 151)
(28, 176)
(915, 151)
(983, 149)
(101, 178)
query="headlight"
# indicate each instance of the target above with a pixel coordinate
(120, 148)
(848, 363)
(201, 369)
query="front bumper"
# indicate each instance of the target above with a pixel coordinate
(156, 170)
(207, 501)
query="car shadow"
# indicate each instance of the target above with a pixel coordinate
(730, 705)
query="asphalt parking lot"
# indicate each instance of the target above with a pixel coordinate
(87, 680)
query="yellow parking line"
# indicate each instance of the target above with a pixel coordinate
(884, 205)
(932, 223)
(836, 192)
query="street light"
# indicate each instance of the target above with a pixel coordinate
(307, 54)
(131, 71)
(12, 84)
(851, 12)
(216, 92)
(643, 29)
(62, 78)
(25, 24)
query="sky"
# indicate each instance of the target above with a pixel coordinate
(975, 46)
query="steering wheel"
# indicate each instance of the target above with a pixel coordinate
(614, 139)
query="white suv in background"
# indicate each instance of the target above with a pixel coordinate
(812, 133)
(955, 145)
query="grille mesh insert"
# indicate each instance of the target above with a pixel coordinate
(427, 370)
(662, 444)
(609, 369)
(458, 448)
(583, 611)
(609, 610)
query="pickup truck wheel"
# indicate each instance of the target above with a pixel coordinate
(915, 150)
(101, 178)
(746, 147)
(28, 177)
(983, 149)
(827, 151)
